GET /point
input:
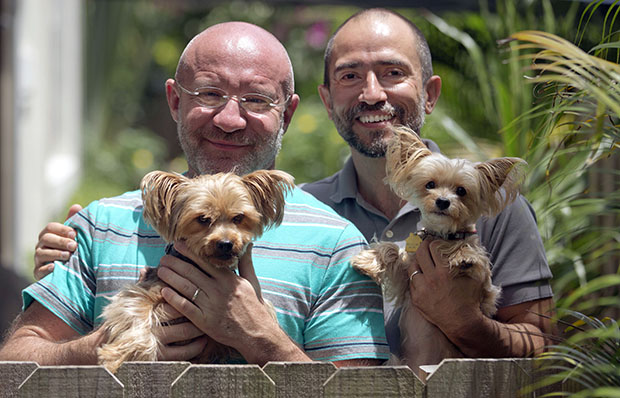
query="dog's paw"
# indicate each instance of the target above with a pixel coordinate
(366, 263)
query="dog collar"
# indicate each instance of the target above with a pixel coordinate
(423, 233)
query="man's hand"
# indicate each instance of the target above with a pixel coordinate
(228, 308)
(453, 305)
(180, 341)
(447, 302)
(56, 242)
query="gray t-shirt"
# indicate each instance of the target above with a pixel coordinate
(511, 238)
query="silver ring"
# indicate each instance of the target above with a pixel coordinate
(414, 273)
(195, 294)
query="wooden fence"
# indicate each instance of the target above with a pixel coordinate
(453, 378)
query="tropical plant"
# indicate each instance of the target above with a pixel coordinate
(577, 129)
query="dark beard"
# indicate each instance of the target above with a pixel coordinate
(378, 145)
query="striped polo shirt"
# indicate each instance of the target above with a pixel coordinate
(303, 267)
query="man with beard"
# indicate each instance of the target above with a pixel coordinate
(232, 99)
(378, 74)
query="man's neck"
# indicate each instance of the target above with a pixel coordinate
(370, 174)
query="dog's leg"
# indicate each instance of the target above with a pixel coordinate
(468, 258)
(374, 261)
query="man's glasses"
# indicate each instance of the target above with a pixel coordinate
(213, 97)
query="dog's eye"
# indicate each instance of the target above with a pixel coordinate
(430, 185)
(238, 219)
(460, 191)
(204, 220)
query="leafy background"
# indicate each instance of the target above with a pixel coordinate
(565, 123)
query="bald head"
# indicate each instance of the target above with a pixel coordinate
(367, 20)
(236, 42)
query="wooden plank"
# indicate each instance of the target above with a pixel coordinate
(299, 379)
(374, 381)
(223, 381)
(456, 378)
(12, 375)
(149, 379)
(71, 381)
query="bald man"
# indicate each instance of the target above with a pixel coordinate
(327, 311)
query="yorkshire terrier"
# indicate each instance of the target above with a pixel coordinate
(451, 195)
(217, 216)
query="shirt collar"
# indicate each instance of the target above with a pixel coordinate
(347, 182)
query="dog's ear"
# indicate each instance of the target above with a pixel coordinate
(500, 180)
(404, 150)
(268, 189)
(159, 190)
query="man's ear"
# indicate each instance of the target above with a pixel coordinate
(290, 109)
(326, 98)
(172, 96)
(433, 90)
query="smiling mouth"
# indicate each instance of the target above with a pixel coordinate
(374, 118)
(227, 145)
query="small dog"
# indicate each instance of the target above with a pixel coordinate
(217, 216)
(451, 195)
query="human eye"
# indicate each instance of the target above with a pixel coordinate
(210, 95)
(256, 102)
(394, 74)
(348, 77)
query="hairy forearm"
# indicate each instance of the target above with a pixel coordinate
(487, 338)
(272, 346)
(30, 343)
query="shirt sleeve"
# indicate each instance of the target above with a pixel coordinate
(346, 320)
(69, 291)
(517, 254)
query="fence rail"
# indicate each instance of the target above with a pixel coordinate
(453, 378)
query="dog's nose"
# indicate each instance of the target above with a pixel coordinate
(442, 204)
(224, 246)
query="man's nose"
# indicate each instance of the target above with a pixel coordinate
(373, 92)
(229, 118)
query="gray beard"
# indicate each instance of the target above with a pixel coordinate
(378, 144)
(260, 159)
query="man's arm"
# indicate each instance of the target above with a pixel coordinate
(40, 336)
(452, 304)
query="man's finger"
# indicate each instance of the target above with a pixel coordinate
(424, 258)
(43, 270)
(176, 333)
(57, 229)
(246, 270)
(183, 352)
(73, 210)
(45, 256)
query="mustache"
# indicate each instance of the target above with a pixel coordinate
(379, 106)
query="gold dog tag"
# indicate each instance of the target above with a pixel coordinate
(412, 243)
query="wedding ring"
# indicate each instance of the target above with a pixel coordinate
(414, 273)
(195, 294)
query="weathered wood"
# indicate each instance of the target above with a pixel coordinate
(223, 381)
(456, 378)
(299, 379)
(375, 381)
(149, 379)
(71, 381)
(12, 375)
